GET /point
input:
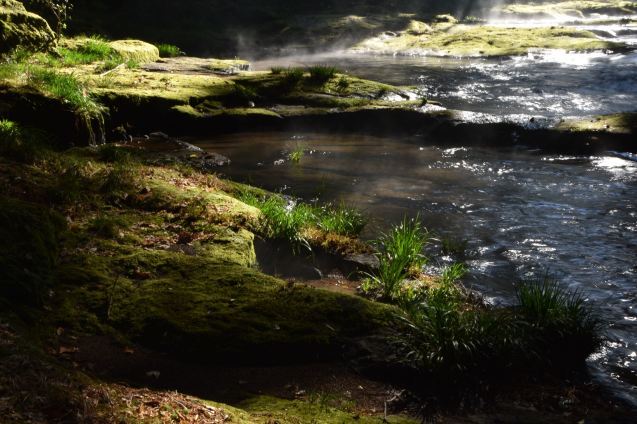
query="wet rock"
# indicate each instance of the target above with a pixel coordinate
(160, 148)
(364, 261)
(20, 28)
(160, 137)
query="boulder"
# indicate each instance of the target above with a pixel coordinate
(21, 28)
(136, 50)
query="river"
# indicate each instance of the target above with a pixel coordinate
(522, 212)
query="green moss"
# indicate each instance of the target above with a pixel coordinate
(578, 9)
(29, 248)
(201, 307)
(265, 409)
(19, 28)
(471, 40)
(85, 50)
(621, 123)
(136, 50)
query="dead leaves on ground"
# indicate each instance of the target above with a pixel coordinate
(143, 405)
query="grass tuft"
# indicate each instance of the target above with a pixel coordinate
(342, 220)
(297, 153)
(285, 220)
(70, 90)
(282, 220)
(95, 49)
(399, 253)
(559, 314)
(320, 74)
(292, 77)
(169, 50)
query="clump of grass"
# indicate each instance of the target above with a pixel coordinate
(10, 70)
(93, 50)
(449, 342)
(70, 90)
(297, 153)
(73, 177)
(451, 274)
(448, 336)
(109, 65)
(405, 242)
(342, 220)
(320, 74)
(292, 77)
(240, 96)
(281, 220)
(20, 55)
(169, 50)
(277, 70)
(67, 88)
(399, 254)
(342, 84)
(286, 220)
(557, 314)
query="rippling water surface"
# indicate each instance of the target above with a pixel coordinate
(523, 213)
(543, 83)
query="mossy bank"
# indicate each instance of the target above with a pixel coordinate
(94, 92)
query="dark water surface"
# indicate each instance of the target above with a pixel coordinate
(522, 212)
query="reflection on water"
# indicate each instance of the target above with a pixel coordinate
(522, 213)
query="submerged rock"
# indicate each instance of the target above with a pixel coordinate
(20, 28)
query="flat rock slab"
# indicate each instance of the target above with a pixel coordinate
(197, 66)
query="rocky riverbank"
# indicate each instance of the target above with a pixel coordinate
(132, 264)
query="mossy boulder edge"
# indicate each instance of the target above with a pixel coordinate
(21, 28)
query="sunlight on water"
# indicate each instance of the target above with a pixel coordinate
(521, 213)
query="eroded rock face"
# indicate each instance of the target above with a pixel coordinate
(20, 28)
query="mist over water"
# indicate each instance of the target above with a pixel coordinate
(543, 83)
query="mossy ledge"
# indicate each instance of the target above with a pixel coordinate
(101, 244)
(460, 40)
(190, 96)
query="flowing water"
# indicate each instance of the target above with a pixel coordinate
(544, 83)
(523, 213)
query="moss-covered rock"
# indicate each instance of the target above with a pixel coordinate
(620, 123)
(135, 50)
(20, 28)
(204, 308)
(449, 39)
(573, 9)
